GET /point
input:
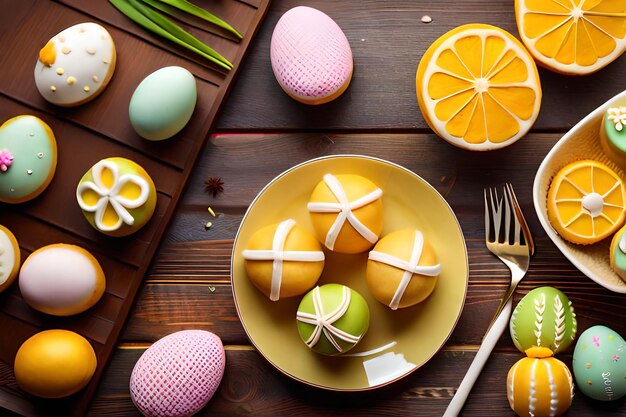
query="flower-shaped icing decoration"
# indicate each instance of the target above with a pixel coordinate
(618, 116)
(111, 200)
(6, 160)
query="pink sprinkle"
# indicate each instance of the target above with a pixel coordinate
(596, 340)
(6, 160)
(615, 357)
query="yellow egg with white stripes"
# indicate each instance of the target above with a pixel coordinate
(346, 212)
(283, 260)
(540, 386)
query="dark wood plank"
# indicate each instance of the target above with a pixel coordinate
(387, 41)
(251, 387)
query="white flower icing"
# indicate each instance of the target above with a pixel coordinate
(618, 116)
(411, 267)
(345, 209)
(111, 196)
(323, 322)
(278, 255)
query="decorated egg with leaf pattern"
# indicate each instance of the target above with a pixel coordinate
(545, 318)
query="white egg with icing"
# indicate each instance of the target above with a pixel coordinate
(61, 280)
(9, 258)
(75, 65)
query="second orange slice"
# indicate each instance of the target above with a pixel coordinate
(478, 87)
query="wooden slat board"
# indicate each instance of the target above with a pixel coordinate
(85, 135)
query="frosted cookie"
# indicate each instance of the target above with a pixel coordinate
(332, 319)
(402, 269)
(618, 253)
(347, 212)
(61, 280)
(586, 202)
(9, 258)
(613, 132)
(311, 57)
(117, 196)
(283, 260)
(539, 385)
(76, 65)
(28, 158)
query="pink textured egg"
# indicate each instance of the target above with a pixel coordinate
(311, 56)
(178, 374)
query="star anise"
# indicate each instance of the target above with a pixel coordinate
(214, 186)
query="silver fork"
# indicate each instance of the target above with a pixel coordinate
(510, 240)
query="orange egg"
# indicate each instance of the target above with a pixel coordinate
(539, 386)
(54, 364)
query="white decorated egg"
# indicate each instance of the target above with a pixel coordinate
(600, 364)
(178, 374)
(61, 280)
(75, 65)
(9, 258)
(544, 318)
(163, 103)
(311, 56)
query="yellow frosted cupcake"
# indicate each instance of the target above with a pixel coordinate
(586, 202)
(347, 212)
(283, 260)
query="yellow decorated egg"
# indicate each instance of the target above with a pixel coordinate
(54, 364)
(117, 196)
(61, 280)
(539, 385)
(9, 258)
(283, 260)
(347, 212)
(402, 269)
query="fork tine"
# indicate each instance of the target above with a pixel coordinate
(487, 217)
(522, 221)
(517, 237)
(507, 219)
(496, 212)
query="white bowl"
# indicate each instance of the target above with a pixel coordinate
(581, 142)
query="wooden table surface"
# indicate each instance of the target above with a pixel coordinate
(261, 132)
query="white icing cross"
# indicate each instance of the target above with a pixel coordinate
(411, 267)
(112, 195)
(324, 322)
(344, 208)
(278, 255)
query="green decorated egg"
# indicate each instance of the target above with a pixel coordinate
(28, 158)
(600, 364)
(613, 131)
(332, 319)
(544, 318)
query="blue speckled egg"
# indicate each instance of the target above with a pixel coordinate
(600, 364)
(163, 103)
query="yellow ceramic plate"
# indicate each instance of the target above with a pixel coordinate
(405, 339)
(581, 142)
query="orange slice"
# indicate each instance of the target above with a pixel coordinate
(573, 36)
(478, 87)
(586, 202)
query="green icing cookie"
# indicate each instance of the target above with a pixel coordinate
(544, 317)
(346, 319)
(618, 253)
(28, 158)
(613, 130)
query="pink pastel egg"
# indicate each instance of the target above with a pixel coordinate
(178, 374)
(311, 56)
